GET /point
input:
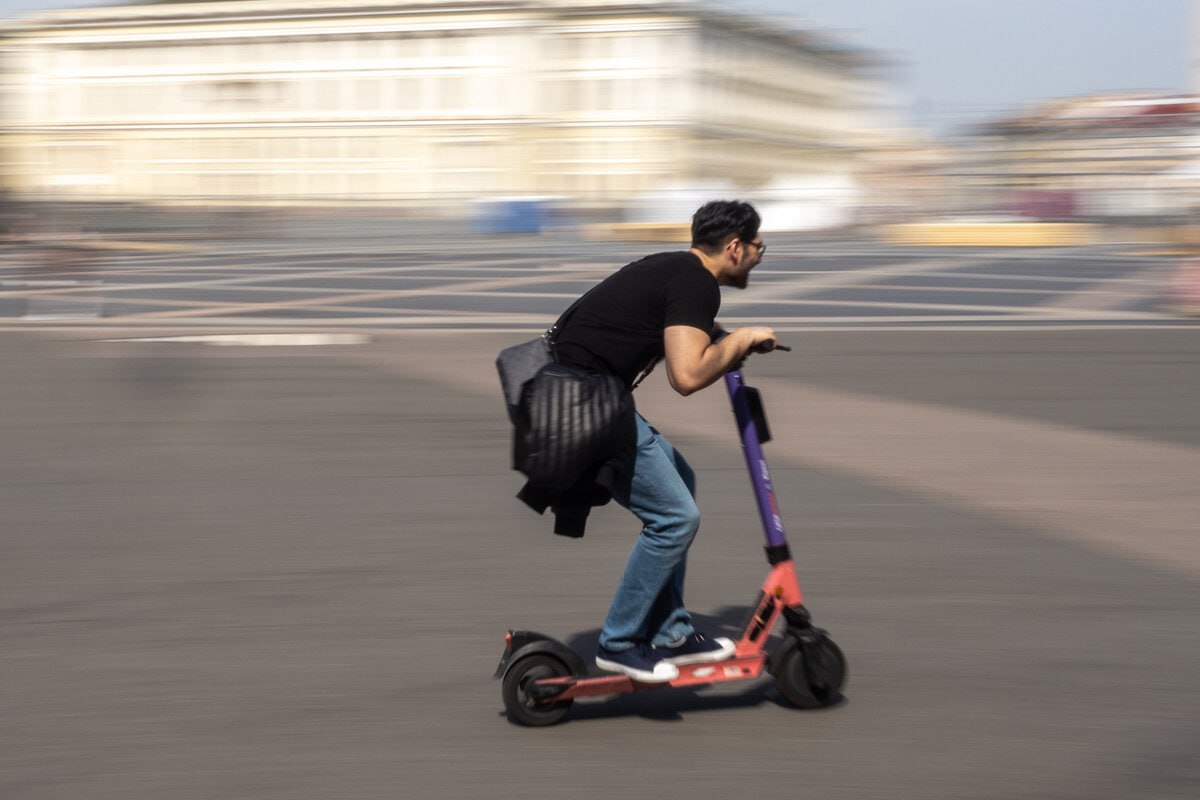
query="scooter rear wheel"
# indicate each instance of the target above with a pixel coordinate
(522, 706)
(811, 675)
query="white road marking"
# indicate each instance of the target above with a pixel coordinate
(1123, 494)
(257, 339)
(473, 274)
(1108, 294)
(853, 277)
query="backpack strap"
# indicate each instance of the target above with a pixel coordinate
(646, 370)
(548, 335)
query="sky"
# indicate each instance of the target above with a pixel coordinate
(958, 62)
(963, 61)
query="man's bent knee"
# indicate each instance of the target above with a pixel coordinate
(675, 528)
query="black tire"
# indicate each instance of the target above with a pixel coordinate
(812, 675)
(521, 707)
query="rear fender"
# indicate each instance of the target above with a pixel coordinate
(519, 644)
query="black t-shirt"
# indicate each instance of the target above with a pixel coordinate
(618, 328)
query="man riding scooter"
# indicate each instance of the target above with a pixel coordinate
(664, 306)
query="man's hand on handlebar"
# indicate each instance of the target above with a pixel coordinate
(762, 339)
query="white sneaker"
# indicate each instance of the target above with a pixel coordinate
(697, 649)
(642, 663)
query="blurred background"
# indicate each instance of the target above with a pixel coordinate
(515, 114)
(258, 532)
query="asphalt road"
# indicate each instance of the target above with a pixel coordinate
(267, 572)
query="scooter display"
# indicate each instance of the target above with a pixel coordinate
(542, 677)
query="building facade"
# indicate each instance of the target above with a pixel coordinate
(1103, 156)
(408, 101)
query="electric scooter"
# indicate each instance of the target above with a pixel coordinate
(542, 677)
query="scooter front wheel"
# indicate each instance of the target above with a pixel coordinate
(811, 674)
(522, 705)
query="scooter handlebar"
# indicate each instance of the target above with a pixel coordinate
(719, 333)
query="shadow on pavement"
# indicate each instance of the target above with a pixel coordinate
(670, 705)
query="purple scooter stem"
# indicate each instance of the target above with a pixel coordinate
(756, 463)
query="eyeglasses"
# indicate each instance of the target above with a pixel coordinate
(759, 246)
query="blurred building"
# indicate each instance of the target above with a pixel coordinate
(404, 101)
(1114, 157)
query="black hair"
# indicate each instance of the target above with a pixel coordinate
(716, 222)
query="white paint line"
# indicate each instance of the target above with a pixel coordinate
(1031, 311)
(387, 326)
(854, 277)
(258, 339)
(1113, 293)
(215, 309)
(1127, 496)
(1122, 494)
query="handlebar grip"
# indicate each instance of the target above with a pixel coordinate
(718, 333)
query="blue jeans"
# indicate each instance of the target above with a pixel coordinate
(660, 491)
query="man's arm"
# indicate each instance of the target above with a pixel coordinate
(695, 361)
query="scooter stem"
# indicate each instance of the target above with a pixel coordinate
(756, 463)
